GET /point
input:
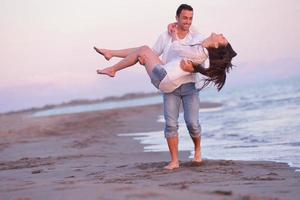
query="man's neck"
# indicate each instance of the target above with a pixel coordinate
(181, 33)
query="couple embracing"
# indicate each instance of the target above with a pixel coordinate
(177, 74)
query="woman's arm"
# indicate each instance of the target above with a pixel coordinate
(171, 27)
(172, 30)
(202, 70)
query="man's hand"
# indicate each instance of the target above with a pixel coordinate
(187, 65)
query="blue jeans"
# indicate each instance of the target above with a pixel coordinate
(189, 96)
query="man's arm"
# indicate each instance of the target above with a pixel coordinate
(197, 68)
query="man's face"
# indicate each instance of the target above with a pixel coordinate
(184, 21)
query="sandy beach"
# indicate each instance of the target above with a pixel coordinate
(80, 156)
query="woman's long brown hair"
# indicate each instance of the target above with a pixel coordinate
(219, 64)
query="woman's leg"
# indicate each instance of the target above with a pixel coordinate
(108, 54)
(144, 54)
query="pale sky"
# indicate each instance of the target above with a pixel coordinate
(46, 53)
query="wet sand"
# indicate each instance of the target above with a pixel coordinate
(80, 156)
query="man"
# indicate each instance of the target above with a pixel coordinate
(187, 93)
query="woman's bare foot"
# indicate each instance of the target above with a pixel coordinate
(104, 52)
(172, 165)
(109, 71)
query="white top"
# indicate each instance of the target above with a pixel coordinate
(173, 78)
(175, 74)
(178, 51)
(193, 52)
(164, 41)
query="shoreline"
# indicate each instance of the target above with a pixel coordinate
(80, 156)
(80, 102)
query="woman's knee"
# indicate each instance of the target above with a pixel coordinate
(143, 50)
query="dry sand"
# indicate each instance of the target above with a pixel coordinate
(80, 156)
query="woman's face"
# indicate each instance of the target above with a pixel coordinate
(216, 40)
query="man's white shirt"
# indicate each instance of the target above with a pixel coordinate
(169, 52)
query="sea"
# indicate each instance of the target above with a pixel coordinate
(257, 122)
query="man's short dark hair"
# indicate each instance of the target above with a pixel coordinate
(183, 7)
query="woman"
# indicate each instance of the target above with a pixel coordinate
(189, 59)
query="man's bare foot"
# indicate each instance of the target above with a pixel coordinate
(109, 71)
(197, 157)
(172, 165)
(104, 52)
